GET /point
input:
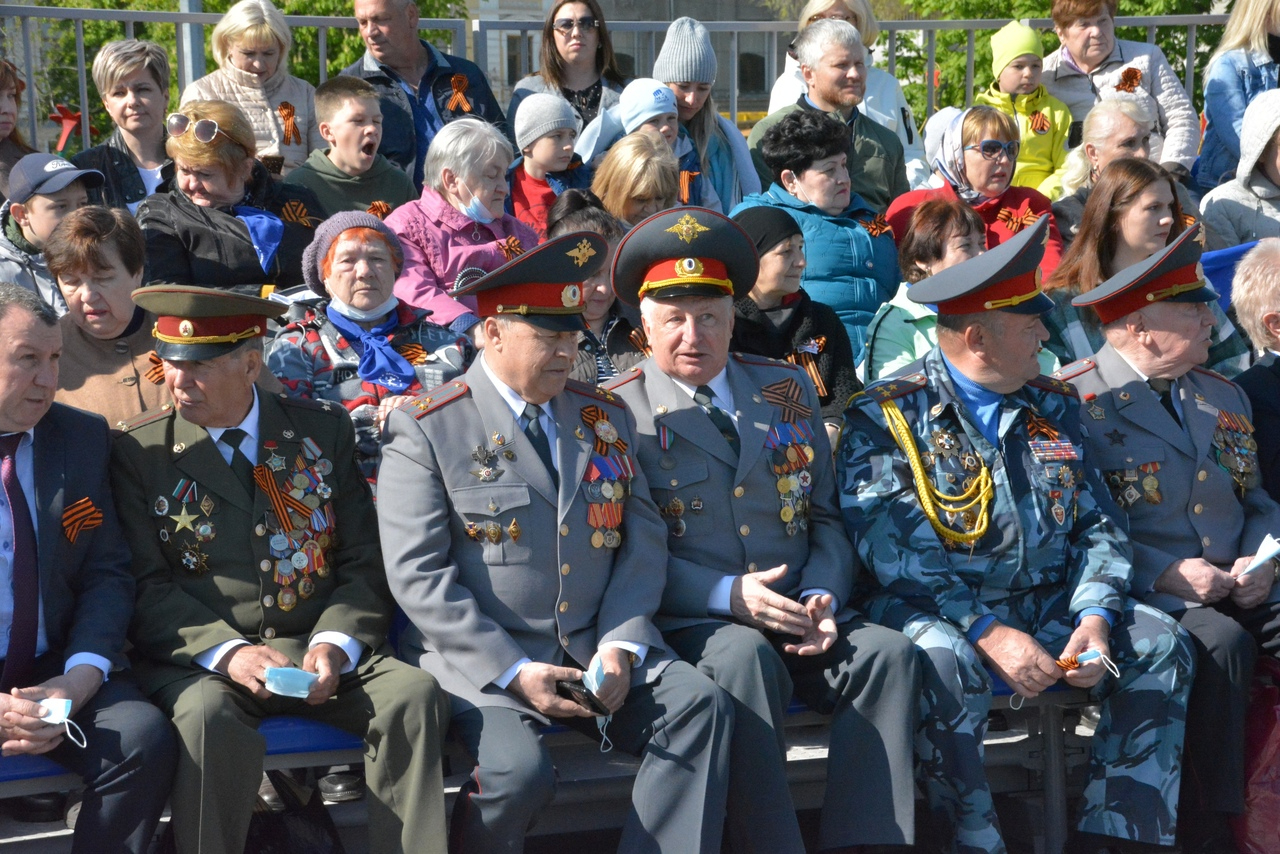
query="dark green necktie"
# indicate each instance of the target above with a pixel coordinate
(718, 417)
(240, 465)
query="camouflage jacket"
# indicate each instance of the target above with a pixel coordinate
(1047, 548)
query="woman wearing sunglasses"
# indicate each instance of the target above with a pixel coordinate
(576, 63)
(1132, 213)
(975, 163)
(226, 223)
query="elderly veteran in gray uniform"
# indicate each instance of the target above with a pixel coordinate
(521, 542)
(760, 572)
(969, 493)
(255, 547)
(1175, 444)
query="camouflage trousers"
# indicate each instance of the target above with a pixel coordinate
(1136, 762)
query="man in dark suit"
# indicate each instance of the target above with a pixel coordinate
(66, 595)
(255, 547)
(520, 540)
(1255, 296)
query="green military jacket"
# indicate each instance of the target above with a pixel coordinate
(214, 564)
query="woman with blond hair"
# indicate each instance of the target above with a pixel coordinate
(882, 102)
(12, 146)
(251, 45)
(1116, 127)
(225, 224)
(132, 77)
(1243, 67)
(638, 177)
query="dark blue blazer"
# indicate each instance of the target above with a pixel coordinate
(85, 585)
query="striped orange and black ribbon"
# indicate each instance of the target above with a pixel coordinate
(787, 396)
(281, 502)
(809, 361)
(80, 516)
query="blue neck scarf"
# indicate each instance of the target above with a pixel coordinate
(379, 364)
(265, 230)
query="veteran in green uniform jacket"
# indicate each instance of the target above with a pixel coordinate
(1175, 445)
(255, 546)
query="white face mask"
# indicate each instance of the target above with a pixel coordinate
(58, 711)
(361, 315)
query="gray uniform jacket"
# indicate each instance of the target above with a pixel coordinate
(1194, 507)
(732, 513)
(490, 562)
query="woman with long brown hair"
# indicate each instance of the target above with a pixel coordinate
(576, 62)
(1132, 213)
(12, 146)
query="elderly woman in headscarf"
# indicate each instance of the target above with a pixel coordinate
(359, 345)
(975, 159)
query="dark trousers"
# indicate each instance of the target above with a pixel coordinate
(869, 682)
(127, 768)
(1226, 640)
(680, 726)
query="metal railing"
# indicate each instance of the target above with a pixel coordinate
(892, 33)
(190, 27)
(644, 36)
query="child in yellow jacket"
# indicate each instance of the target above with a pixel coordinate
(1043, 121)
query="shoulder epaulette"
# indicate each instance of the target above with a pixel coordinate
(1075, 369)
(892, 388)
(592, 391)
(1055, 386)
(1214, 374)
(429, 401)
(752, 359)
(148, 417)
(311, 405)
(623, 378)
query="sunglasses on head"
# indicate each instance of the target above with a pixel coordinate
(564, 26)
(991, 148)
(204, 130)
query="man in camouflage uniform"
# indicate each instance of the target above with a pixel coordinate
(1174, 443)
(965, 489)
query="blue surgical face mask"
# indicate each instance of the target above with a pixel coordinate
(475, 211)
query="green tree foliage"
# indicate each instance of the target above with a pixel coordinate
(951, 47)
(57, 80)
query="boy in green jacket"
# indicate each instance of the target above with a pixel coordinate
(350, 174)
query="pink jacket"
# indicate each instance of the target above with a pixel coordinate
(440, 242)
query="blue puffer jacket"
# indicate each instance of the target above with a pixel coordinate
(1235, 79)
(846, 268)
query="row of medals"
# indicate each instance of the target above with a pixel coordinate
(1237, 449)
(606, 491)
(791, 464)
(300, 550)
(945, 445)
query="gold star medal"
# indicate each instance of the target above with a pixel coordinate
(184, 520)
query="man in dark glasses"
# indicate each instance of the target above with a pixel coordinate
(421, 88)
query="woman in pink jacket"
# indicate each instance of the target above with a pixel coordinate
(460, 222)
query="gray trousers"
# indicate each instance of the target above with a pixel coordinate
(868, 682)
(679, 725)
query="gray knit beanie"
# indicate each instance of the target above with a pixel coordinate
(329, 231)
(540, 114)
(686, 55)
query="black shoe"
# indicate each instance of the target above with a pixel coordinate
(1205, 833)
(268, 796)
(48, 806)
(339, 788)
(1095, 843)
